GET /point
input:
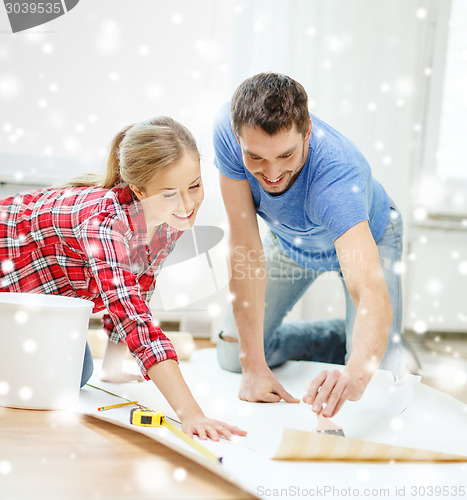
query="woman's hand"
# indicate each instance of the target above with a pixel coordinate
(208, 428)
(168, 378)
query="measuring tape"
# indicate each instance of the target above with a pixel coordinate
(155, 418)
(146, 418)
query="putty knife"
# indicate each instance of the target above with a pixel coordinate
(326, 426)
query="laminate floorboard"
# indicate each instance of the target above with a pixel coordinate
(54, 455)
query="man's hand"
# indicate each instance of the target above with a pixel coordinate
(262, 386)
(334, 388)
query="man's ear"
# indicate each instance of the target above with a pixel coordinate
(308, 131)
(138, 193)
(235, 134)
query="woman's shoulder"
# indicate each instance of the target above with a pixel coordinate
(84, 204)
(99, 197)
(115, 205)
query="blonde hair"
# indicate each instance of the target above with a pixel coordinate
(140, 151)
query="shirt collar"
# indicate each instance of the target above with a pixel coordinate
(164, 234)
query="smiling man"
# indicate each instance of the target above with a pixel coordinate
(324, 211)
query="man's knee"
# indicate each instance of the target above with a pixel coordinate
(228, 353)
(227, 338)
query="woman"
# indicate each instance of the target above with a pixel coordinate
(105, 241)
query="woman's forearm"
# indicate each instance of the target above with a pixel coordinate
(169, 380)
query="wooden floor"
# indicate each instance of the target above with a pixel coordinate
(53, 455)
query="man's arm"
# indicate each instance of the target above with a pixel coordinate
(361, 268)
(248, 285)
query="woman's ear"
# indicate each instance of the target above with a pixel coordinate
(138, 193)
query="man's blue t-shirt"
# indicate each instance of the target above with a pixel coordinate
(333, 192)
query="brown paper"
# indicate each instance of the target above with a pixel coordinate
(304, 445)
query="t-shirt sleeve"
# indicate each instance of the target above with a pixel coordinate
(107, 245)
(227, 152)
(340, 195)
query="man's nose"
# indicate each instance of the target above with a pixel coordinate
(272, 171)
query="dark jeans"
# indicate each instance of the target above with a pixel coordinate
(88, 366)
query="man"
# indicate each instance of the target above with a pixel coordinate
(314, 190)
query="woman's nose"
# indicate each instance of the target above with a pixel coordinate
(187, 202)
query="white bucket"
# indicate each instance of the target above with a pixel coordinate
(42, 343)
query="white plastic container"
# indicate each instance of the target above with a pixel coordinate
(42, 343)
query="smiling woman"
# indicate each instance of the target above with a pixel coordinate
(94, 239)
(174, 195)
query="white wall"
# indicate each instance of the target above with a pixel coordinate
(69, 86)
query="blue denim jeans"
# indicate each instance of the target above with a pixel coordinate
(326, 340)
(88, 366)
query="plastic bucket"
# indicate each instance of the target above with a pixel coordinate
(42, 343)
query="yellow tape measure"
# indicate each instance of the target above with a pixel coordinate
(146, 418)
(155, 418)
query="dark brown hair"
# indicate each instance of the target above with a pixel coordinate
(270, 101)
